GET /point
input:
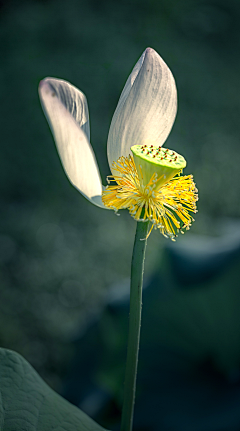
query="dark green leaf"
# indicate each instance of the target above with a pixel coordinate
(29, 404)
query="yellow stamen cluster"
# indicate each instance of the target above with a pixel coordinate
(166, 207)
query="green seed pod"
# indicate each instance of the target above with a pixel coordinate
(162, 162)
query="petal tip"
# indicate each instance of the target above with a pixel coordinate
(42, 85)
(43, 82)
(149, 50)
(151, 55)
(45, 89)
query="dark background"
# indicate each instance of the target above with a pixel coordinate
(60, 255)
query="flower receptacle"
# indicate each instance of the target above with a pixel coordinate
(151, 159)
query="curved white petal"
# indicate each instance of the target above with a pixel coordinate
(146, 109)
(66, 110)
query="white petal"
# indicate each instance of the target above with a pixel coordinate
(146, 109)
(66, 110)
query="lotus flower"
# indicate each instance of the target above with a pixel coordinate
(146, 175)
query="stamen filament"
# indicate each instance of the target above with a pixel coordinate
(166, 207)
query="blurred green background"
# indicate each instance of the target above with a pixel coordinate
(59, 255)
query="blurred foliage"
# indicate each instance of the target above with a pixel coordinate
(59, 254)
(189, 362)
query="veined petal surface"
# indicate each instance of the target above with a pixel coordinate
(146, 109)
(66, 110)
(73, 99)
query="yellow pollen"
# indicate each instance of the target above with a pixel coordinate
(167, 207)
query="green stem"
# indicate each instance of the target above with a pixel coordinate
(137, 269)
